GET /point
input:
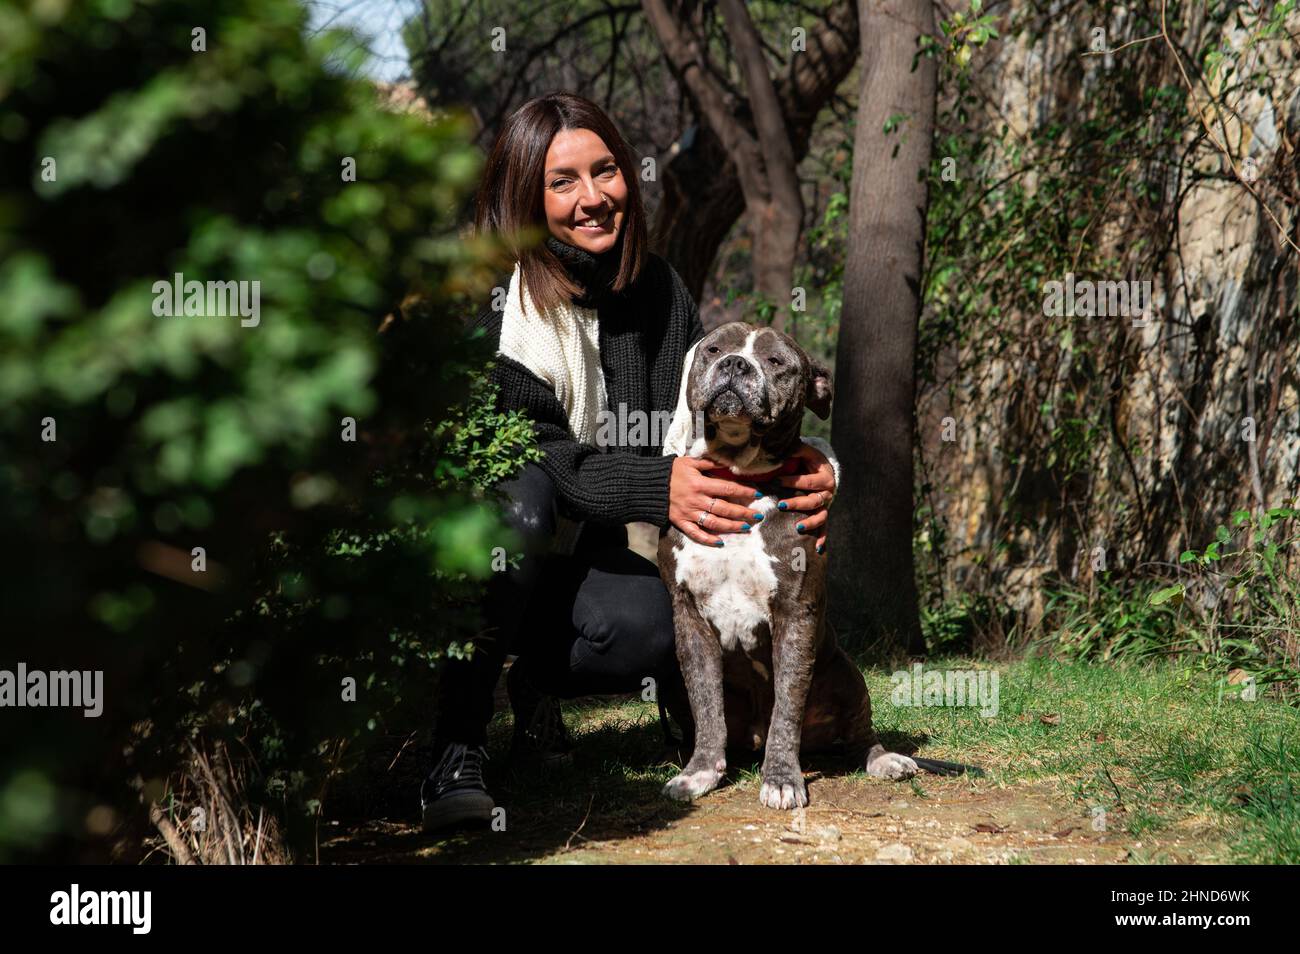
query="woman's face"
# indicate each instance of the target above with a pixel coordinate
(584, 192)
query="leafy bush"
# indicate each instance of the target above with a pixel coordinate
(344, 528)
(1233, 606)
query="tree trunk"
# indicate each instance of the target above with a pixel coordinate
(873, 598)
(703, 194)
(701, 202)
(771, 178)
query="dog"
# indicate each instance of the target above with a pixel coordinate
(761, 669)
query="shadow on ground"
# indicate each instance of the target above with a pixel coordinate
(607, 808)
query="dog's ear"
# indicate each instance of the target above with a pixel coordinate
(818, 398)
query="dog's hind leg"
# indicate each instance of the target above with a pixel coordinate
(700, 656)
(859, 735)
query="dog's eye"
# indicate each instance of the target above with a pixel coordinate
(775, 360)
(713, 349)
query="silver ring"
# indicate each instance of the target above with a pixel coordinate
(703, 517)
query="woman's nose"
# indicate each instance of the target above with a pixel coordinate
(591, 197)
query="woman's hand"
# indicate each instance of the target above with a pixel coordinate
(690, 493)
(819, 483)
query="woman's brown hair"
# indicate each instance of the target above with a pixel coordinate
(510, 198)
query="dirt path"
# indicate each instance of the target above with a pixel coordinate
(852, 820)
(606, 808)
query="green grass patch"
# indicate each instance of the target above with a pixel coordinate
(1157, 746)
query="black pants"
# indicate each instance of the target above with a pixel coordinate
(599, 621)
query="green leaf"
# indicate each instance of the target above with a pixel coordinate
(1172, 594)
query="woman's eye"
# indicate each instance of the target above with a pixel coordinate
(609, 170)
(559, 183)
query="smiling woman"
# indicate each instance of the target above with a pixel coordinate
(592, 321)
(560, 163)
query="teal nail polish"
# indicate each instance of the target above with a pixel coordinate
(781, 505)
(822, 548)
(745, 525)
(758, 494)
(758, 517)
(799, 527)
(719, 543)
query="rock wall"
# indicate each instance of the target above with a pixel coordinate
(1171, 457)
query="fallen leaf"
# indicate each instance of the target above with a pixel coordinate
(990, 828)
(1050, 718)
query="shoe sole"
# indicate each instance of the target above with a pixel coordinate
(457, 810)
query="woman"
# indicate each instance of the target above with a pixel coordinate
(592, 322)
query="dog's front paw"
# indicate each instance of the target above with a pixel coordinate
(889, 765)
(783, 789)
(691, 784)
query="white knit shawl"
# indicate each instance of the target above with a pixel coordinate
(562, 347)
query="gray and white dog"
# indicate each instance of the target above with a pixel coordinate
(760, 666)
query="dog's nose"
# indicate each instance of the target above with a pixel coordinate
(735, 366)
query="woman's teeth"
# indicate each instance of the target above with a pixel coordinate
(592, 224)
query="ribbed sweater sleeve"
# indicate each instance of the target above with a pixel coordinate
(650, 332)
(590, 485)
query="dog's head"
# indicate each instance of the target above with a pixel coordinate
(747, 391)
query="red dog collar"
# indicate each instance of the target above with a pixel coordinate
(792, 465)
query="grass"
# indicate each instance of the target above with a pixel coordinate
(1158, 747)
(1162, 750)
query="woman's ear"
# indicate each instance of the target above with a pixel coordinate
(818, 398)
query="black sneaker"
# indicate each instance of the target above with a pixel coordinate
(454, 792)
(540, 736)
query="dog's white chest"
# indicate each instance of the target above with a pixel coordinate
(733, 585)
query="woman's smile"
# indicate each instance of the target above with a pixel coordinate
(596, 224)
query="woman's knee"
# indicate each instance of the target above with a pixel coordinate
(529, 506)
(625, 639)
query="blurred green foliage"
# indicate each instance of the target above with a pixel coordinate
(129, 155)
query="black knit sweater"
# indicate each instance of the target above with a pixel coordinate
(645, 332)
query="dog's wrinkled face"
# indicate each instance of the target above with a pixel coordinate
(748, 389)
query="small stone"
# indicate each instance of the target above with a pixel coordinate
(829, 833)
(896, 853)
